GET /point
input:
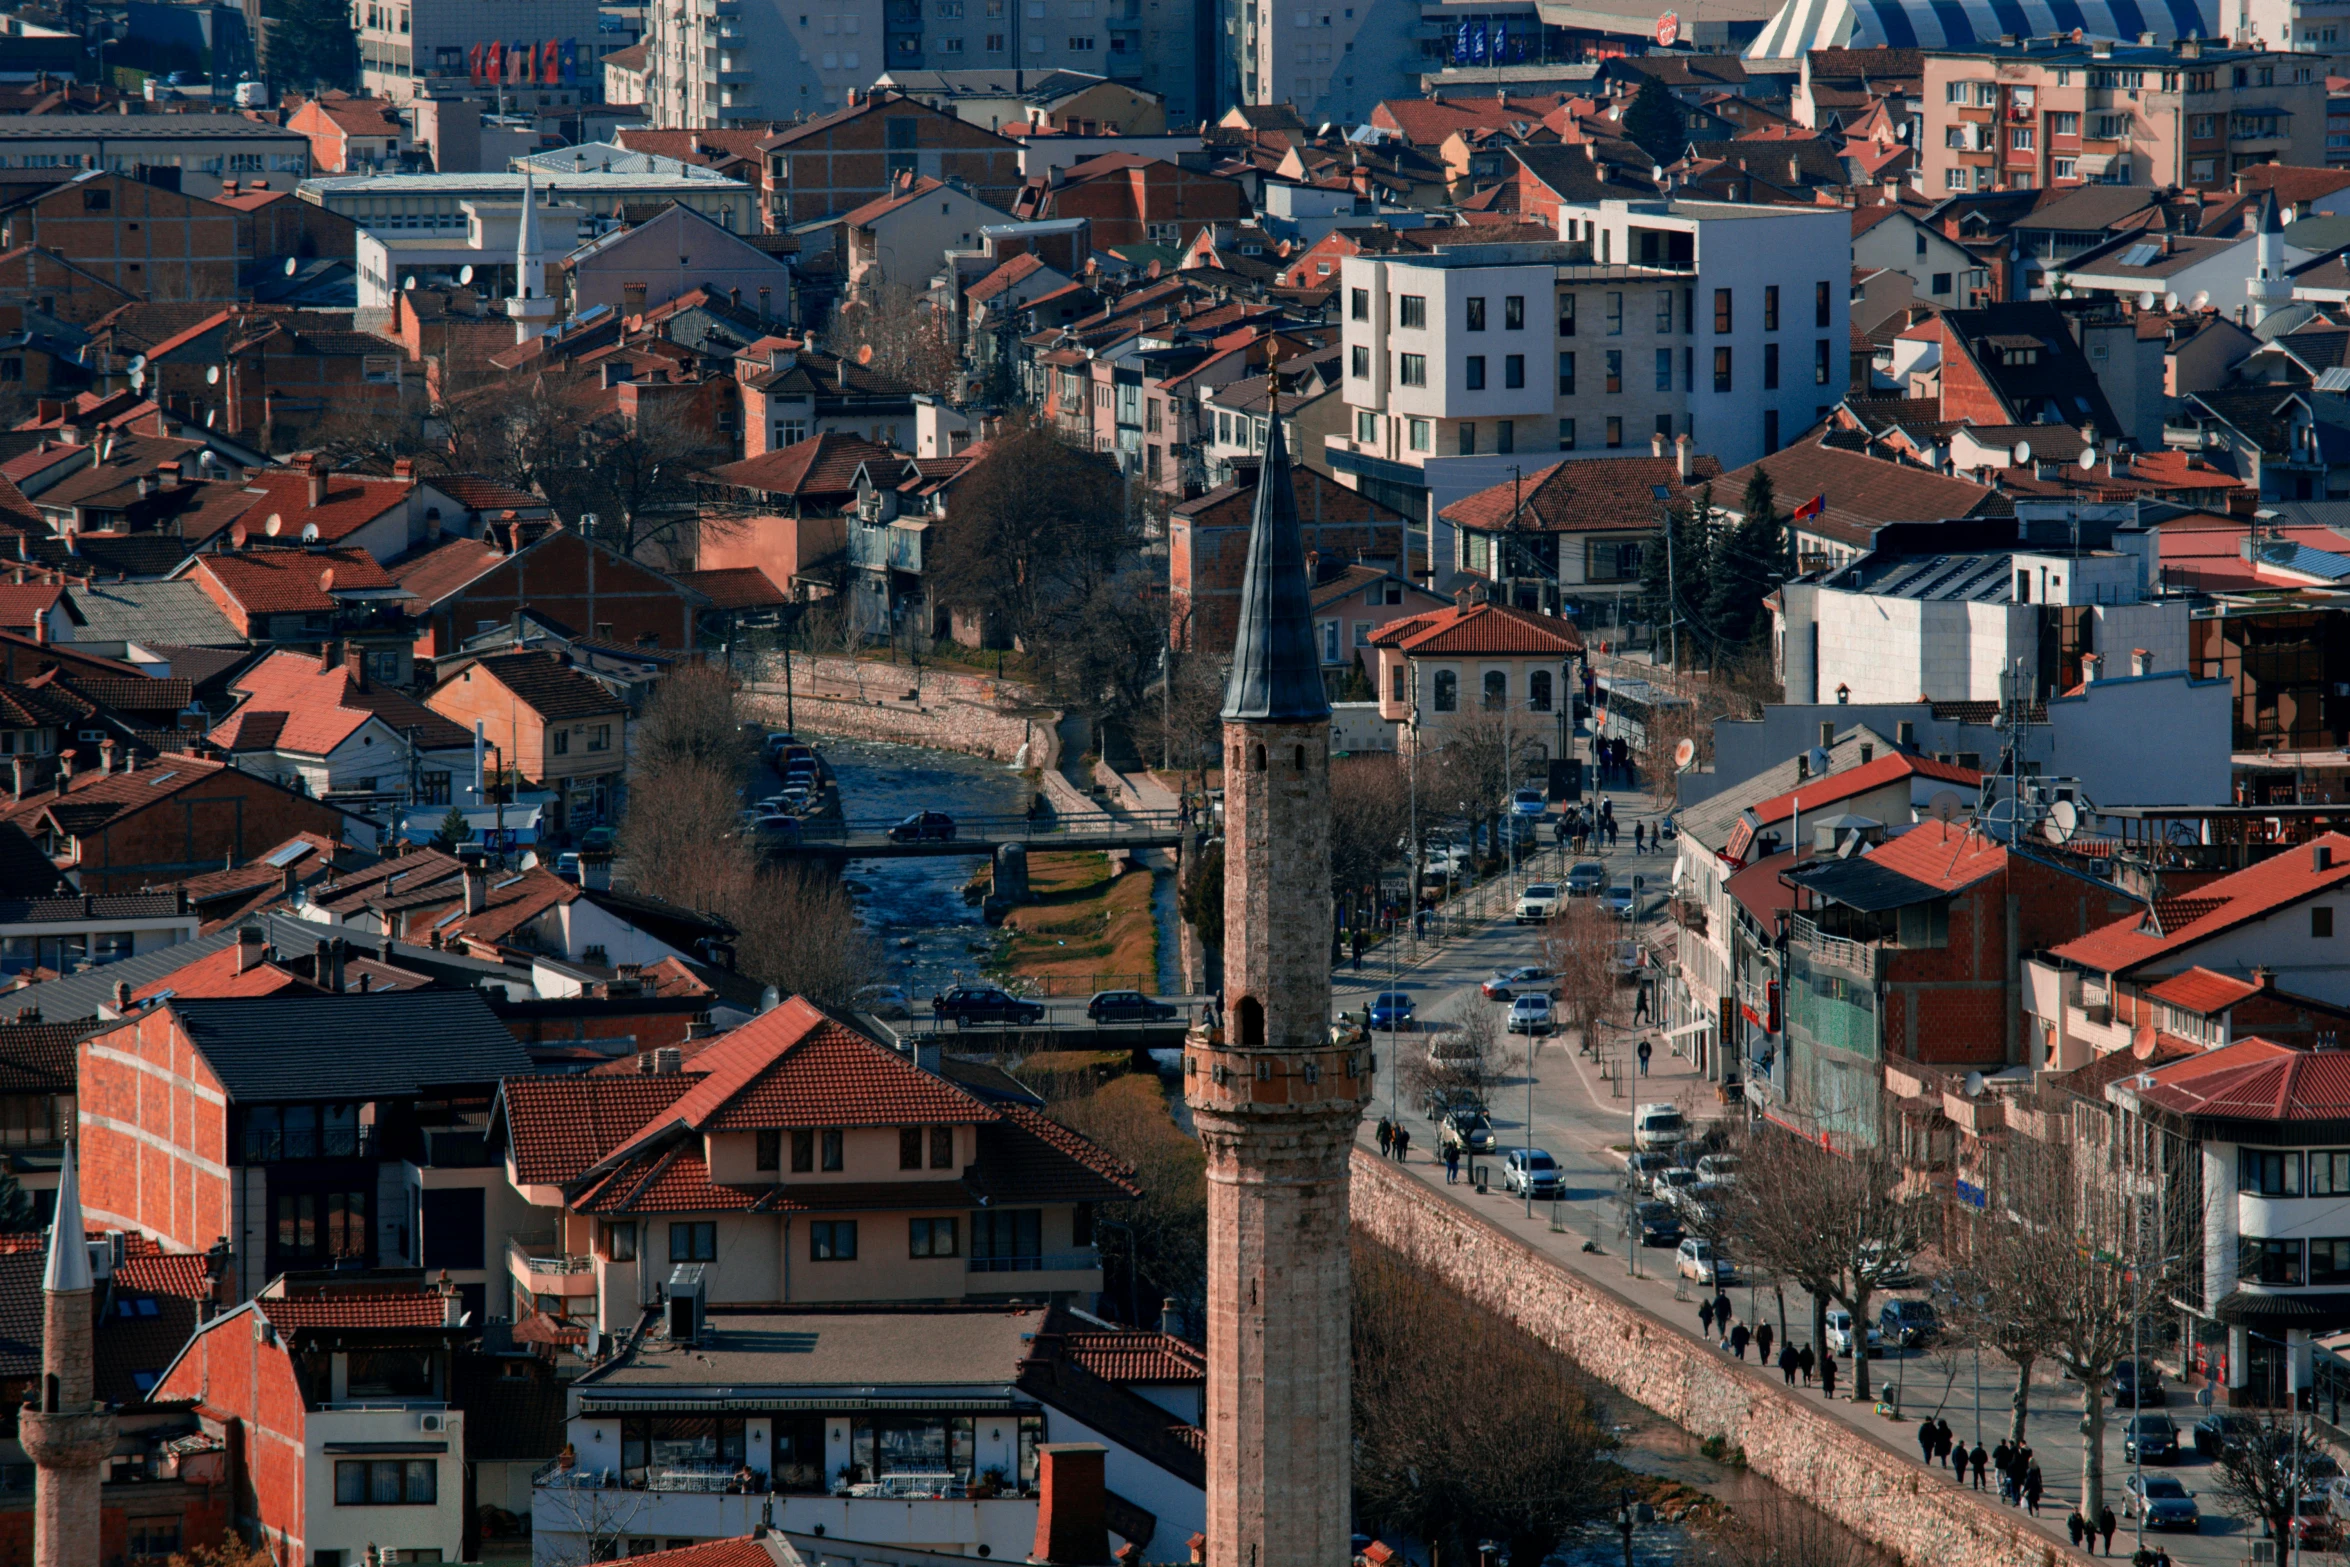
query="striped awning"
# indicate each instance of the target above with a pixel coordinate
(1802, 25)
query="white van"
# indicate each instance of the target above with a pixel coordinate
(1659, 1125)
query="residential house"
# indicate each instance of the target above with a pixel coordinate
(332, 726)
(792, 390)
(837, 162)
(303, 1152)
(1350, 603)
(146, 240)
(305, 595)
(791, 502)
(1207, 548)
(1131, 199)
(558, 728)
(459, 587)
(1472, 665)
(897, 239)
(351, 135)
(648, 264)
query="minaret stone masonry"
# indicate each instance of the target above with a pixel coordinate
(1275, 1098)
(65, 1432)
(530, 306)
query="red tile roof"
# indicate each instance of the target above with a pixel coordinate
(322, 706)
(433, 574)
(215, 974)
(352, 501)
(2177, 925)
(2256, 1080)
(1862, 492)
(2202, 990)
(292, 581)
(1479, 630)
(745, 1552)
(355, 1309)
(1578, 494)
(824, 464)
(1939, 854)
(1136, 1357)
(558, 1126)
(1819, 793)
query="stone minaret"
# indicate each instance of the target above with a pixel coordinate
(64, 1431)
(2270, 289)
(529, 305)
(1275, 1101)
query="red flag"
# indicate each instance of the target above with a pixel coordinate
(551, 63)
(473, 60)
(1811, 508)
(497, 60)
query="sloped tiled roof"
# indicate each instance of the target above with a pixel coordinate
(2178, 925)
(323, 706)
(2255, 1080)
(736, 587)
(293, 581)
(1136, 1356)
(558, 1126)
(1582, 494)
(355, 1309)
(547, 683)
(824, 464)
(2203, 990)
(1485, 629)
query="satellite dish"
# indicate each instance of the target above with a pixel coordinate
(292, 266)
(237, 534)
(2170, 301)
(326, 580)
(310, 533)
(1818, 759)
(865, 354)
(1684, 752)
(2146, 300)
(1974, 1085)
(2201, 301)
(2064, 819)
(2021, 457)
(272, 523)
(138, 363)
(212, 375)
(2088, 458)
(409, 287)
(465, 274)
(1946, 806)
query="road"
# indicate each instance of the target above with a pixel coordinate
(1581, 1116)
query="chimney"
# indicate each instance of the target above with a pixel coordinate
(122, 995)
(2321, 857)
(2141, 662)
(334, 957)
(477, 889)
(248, 948)
(106, 758)
(2263, 976)
(1868, 753)
(1656, 446)
(452, 1304)
(330, 654)
(1681, 445)
(16, 772)
(432, 525)
(404, 468)
(2090, 664)
(632, 299)
(355, 660)
(317, 488)
(1170, 1318)
(288, 879)
(65, 764)
(668, 1061)
(1071, 1530)
(318, 961)
(1827, 732)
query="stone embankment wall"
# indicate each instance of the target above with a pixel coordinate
(1872, 1489)
(857, 700)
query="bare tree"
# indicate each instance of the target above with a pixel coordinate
(2263, 1473)
(894, 329)
(1521, 1459)
(691, 718)
(1578, 947)
(1773, 1529)
(1164, 1236)
(1031, 533)
(1841, 1222)
(1370, 811)
(1455, 1059)
(1183, 721)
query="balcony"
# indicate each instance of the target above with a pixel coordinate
(896, 546)
(544, 1268)
(1856, 958)
(1687, 913)
(1081, 1261)
(1003, 1527)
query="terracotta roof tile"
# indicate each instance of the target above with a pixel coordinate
(2202, 990)
(292, 581)
(1136, 1357)
(352, 1309)
(824, 464)
(1577, 494)
(736, 587)
(323, 706)
(558, 1126)
(1479, 629)
(2179, 924)
(2256, 1080)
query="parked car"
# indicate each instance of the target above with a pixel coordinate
(1532, 1171)
(1625, 960)
(1530, 1015)
(1439, 1102)
(1128, 1006)
(968, 1004)
(597, 840)
(2314, 1525)
(2221, 1432)
(1642, 1169)
(1659, 1125)
(1908, 1324)
(2137, 1384)
(1508, 983)
(1722, 1167)
(1587, 879)
(1659, 1224)
(2165, 1503)
(1670, 1182)
(1390, 1009)
(1467, 1129)
(1840, 1338)
(1528, 802)
(1538, 902)
(2152, 1439)
(567, 866)
(1698, 1259)
(1452, 1050)
(779, 827)
(1618, 901)
(924, 827)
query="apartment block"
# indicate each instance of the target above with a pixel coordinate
(1334, 62)
(1726, 323)
(404, 44)
(2037, 113)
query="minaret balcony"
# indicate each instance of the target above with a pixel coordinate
(1220, 1074)
(81, 1437)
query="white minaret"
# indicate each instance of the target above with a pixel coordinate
(65, 1432)
(2270, 289)
(530, 306)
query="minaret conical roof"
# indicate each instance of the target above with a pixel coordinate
(1276, 675)
(69, 1250)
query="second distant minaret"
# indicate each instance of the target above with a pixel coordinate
(65, 1432)
(532, 309)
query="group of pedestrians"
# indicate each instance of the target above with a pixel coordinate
(2086, 1534)
(1395, 1140)
(1581, 826)
(2020, 1482)
(1794, 1362)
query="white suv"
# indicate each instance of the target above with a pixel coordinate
(1539, 901)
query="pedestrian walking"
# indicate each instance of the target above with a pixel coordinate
(1722, 1312)
(1827, 1376)
(1804, 1360)
(2162, 1556)
(1358, 945)
(2003, 1464)
(1925, 1441)
(1403, 1144)
(2033, 1485)
(1645, 1048)
(1705, 1317)
(1738, 1340)
(2076, 1526)
(1452, 1163)
(1386, 1136)
(2105, 1527)
(1762, 1344)
(1640, 1015)
(1943, 1440)
(1981, 1460)
(1611, 832)
(1787, 1363)
(1639, 838)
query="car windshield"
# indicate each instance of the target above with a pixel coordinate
(2156, 1425)
(1589, 868)
(1392, 998)
(1542, 889)
(2163, 1489)
(1538, 1160)
(1654, 1213)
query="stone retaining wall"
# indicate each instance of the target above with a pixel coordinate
(947, 726)
(1872, 1489)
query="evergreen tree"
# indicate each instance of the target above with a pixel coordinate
(1679, 553)
(310, 45)
(1750, 561)
(1653, 122)
(453, 830)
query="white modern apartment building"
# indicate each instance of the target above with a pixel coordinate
(1334, 60)
(1723, 322)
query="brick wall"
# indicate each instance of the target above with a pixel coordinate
(151, 242)
(154, 1134)
(237, 1380)
(1207, 552)
(229, 815)
(1870, 1488)
(590, 589)
(850, 161)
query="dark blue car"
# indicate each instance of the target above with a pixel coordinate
(1391, 1009)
